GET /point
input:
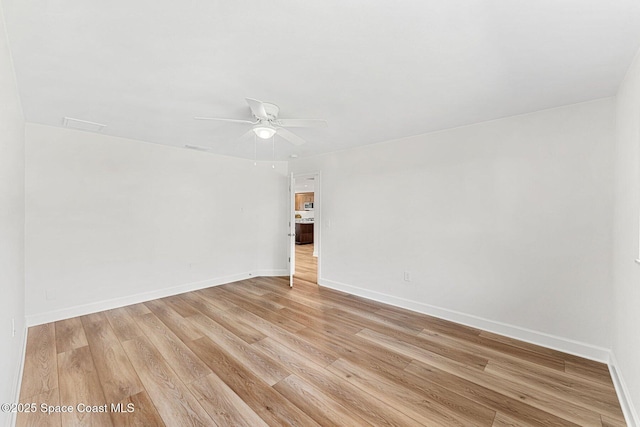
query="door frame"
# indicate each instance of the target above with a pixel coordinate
(317, 214)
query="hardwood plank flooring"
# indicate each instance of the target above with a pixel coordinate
(257, 353)
(40, 361)
(118, 378)
(174, 402)
(306, 264)
(79, 383)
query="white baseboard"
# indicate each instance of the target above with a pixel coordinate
(630, 414)
(271, 273)
(81, 310)
(565, 345)
(17, 383)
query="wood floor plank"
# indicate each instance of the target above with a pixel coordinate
(323, 301)
(565, 409)
(419, 320)
(93, 317)
(100, 334)
(414, 352)
(118, 378)
(254, 285)
(267, 370)
(137, 310)
(182, 307)
(306, 264)
(465, 408)
(531, 375)
(212, 298)
(486, 396)
(178, 324)
(322, 408)
(514, 362)
(173, 400)
(224, 406)
(590, 370)
(205, 303)
(185, 364)
(581, 394)
(69, 335)
(308, 315)
(123, 324)
(549, 361)
(367, 407)
(138, 411)
(39, 418)
(257, 300)
(502, 420)
(417, 406)
(243, 331)
(311, 351)
(40, 362)
(522, 344)
(612, 422)
(79, 383)
(320, 321)
(270, 405)
(449, 350)
(389, 366)
(352, 346)
(265, 313)
(373, 322)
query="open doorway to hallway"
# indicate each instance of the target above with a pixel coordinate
(307, 226)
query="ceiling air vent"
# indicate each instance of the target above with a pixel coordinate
(196, 147)
(83, 125)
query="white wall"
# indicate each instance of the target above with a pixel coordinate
(503, 224)
(626, 274)
(11, 227)
(115, 219)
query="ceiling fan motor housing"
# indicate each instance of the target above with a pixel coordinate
(271, 109)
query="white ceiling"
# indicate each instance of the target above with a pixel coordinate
(375, 70)
(304, 185)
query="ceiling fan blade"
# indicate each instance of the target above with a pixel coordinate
(257, 108)
(226, 120)
(302, 123)
(290, 136)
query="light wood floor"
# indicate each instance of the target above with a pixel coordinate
(256, 353)
(306, 264)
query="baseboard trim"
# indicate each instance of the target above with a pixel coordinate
(271, 273)
(630, 414)
(17, 383)
(81, 310)
(576, 348)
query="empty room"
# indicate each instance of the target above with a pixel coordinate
(342, 213)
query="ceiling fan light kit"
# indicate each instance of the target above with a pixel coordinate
(264, 131)
(267, 123)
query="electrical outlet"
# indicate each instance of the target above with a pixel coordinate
(50, 294)
(407, 276)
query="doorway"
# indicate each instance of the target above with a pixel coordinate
(307, 216)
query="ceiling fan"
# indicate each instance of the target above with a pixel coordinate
(266, 122)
